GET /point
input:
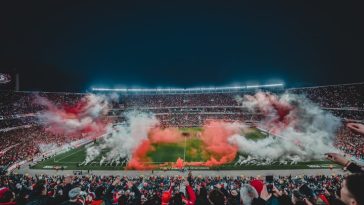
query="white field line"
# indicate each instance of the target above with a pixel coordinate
(68, 155)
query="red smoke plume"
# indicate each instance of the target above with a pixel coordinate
(215, 143)
(168, 135)
(179, 163)
(84, 118)
(139, 160)
(279, 113)
(215, 138)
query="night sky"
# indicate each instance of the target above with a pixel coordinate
(58, 46)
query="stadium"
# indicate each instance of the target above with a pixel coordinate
(167, 131)
(181, 103)
(174, 129)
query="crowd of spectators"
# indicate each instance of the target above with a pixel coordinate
(17, 141)
(348, 114)
(16, 122)
(180, 100)
(25, 143)
(345, 101)
(173, 190)
(196, 120)
(350, 143)
(14, 103)
(335, 96)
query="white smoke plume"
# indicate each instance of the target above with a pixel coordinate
(43, 147)
(302, 130)
(121, 140)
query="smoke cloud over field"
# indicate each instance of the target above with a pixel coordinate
(302, 130)
(122, 141)
(215, 139)
(81, 118)
(299, 131)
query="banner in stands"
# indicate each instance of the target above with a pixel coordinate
(7, 81)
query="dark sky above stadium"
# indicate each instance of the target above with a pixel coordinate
(71, 46)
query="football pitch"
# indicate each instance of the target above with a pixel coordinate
(190, 150)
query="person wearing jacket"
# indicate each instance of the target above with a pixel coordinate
(190, 199)
(7, 197)
(217, 197)
(99, 196)
(233, 198)
(137, 198)
(202, 196)
(39, 195)
(167, 195)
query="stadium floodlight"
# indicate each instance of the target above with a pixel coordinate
(252, 86)
(265, 86)
(137, 90)
(274, 85)
(110, 89)
(174, 89)
(231, 88)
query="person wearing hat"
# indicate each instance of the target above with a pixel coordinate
(248, 194)
(74, 197)
(258, 185)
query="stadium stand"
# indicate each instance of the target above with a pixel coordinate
(21, 139)
(184, 109)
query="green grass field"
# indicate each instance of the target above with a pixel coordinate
(191, 150)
